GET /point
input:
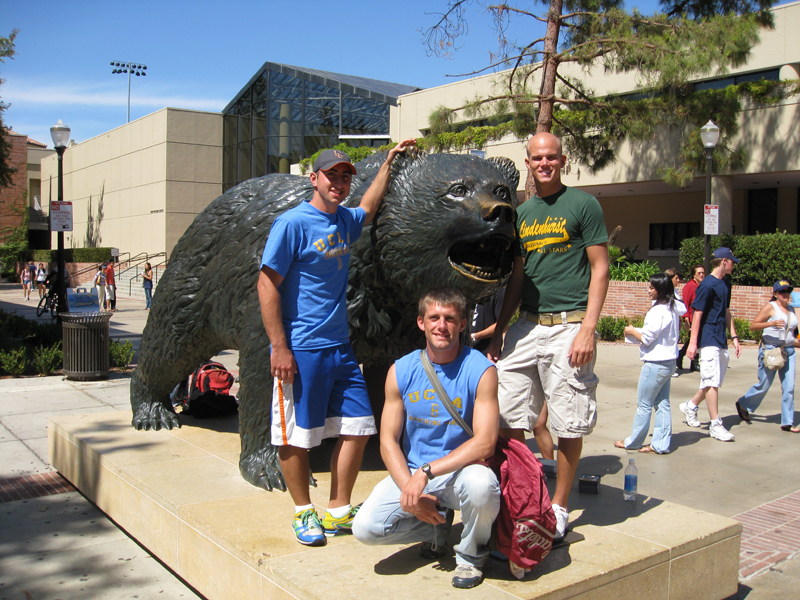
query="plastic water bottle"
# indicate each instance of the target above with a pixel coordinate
(631, 481)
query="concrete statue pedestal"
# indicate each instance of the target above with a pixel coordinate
(179, 494)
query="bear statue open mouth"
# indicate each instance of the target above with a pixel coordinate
(488, 259)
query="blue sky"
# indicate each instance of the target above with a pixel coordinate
(200, 53)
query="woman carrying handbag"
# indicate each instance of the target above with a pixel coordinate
(776, 354)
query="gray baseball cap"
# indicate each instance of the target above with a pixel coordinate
(328, 159)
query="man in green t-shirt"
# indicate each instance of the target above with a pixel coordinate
(559, 282)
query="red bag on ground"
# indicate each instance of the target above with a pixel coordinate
(526, 524)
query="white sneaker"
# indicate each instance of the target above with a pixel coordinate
(690, 410)
(562, 520)
(717, 430)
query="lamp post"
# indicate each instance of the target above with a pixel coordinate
(131, 69)
(709, 134)
(60, 134)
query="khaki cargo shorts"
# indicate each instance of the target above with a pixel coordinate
(534, 368)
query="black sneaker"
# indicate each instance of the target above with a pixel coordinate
(744, 415)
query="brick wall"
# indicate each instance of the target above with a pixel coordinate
(629, 298)
(14, 195)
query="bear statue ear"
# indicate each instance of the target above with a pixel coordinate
(405, 159)
(509, 170)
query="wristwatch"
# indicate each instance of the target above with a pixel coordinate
(426, 468)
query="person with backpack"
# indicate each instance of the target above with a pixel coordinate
(41, 280)
(26, 281)
(433, 463)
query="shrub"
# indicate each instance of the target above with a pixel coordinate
(47, 359)
(765, 257)
(121, 354)
(611, 328)
(14, 362)
(743, 330)
(627, 271)
(637, 321)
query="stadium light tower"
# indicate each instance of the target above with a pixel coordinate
(131, 69)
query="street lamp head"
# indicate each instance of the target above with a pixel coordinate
(60, 134)
(709, 133)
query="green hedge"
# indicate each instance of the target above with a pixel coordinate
(78, 255)
(765, 258)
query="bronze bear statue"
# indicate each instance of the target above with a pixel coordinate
(445, 220)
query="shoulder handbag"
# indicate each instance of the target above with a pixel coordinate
(775, 358)
(526, 524)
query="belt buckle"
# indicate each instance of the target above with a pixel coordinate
(547, 317)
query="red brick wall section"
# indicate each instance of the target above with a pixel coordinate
(14, 195)
(629, 299)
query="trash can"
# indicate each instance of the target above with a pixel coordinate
(86, 345)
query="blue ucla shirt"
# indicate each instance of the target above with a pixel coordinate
(310, 249)
(430, 432)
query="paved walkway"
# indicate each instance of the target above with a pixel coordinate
(54, 544)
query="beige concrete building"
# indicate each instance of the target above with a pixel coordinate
(138, 187)
(762, 196)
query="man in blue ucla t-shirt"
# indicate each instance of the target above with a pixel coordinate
(434, 469)
(319, 391)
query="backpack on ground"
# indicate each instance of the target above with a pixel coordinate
(206, 392)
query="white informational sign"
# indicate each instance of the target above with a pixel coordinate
(710, 219)
(60, 216)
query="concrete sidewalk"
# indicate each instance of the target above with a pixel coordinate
(61, 546)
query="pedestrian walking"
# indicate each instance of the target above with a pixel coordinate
(778, 324)
(659, 339)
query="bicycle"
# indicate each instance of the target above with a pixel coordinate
(48, 301)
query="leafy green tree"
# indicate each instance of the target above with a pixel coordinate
(688, 39)
(6, 171)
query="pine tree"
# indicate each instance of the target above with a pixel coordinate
(6, 171)
(687, 40)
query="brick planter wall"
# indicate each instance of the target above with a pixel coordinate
(629, 298)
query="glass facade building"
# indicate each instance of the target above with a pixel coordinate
(287, 113)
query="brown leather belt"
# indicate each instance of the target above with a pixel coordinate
(560, 318)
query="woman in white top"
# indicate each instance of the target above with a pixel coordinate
(772, 320)
(100, 284)
(659, 349)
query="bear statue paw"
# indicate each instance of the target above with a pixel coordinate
(263, 469)
(154, 416)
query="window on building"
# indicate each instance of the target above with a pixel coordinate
(668, 236)
(762, 211)
(286, 114)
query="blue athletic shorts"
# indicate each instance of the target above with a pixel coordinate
(328, 398)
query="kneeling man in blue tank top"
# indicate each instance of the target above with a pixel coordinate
(433, 462)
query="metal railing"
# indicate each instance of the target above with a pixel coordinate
(138, 268)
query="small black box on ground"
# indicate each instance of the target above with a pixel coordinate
(589, 484)
(548, 467)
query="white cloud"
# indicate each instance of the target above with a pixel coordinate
(88, 95)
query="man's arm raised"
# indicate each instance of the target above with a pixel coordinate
(373, 196)
(582, 349)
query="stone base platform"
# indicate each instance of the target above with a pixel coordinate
(179, 494)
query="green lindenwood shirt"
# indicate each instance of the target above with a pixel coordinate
(554, 233)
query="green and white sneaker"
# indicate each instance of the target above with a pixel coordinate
(332, 526)
(308, 529)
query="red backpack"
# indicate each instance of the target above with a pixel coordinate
(206, 393)
(526, 524)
